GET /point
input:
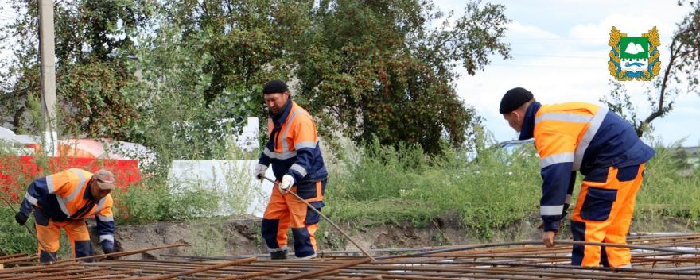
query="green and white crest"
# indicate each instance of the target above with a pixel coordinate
(634, 58)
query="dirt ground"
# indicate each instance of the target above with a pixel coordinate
(240, 235)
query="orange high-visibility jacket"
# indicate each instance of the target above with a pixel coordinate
(66, 196)
(574, 137)
(293, 147)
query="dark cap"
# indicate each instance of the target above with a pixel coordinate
(515, 98)
(275, 86)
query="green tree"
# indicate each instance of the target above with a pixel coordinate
(368, 68)
(679, 76)
(93, 42)
(382, 69)
(203, 66)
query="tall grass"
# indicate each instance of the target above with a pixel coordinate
(388, 185)
(670, 190)
(488, 193)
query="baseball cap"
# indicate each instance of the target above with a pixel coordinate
(105, 179)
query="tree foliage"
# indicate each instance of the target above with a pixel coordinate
(203, 65)
(93, 40)
(368, 69)
(379, 68)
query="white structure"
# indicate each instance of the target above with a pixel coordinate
(233, 179)
(17, 142)
(247, 139)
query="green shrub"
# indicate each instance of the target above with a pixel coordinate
(380, 184)
(669, 189)
(388, 185)
(13, 237)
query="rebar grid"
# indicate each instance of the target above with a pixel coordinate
(653, 257)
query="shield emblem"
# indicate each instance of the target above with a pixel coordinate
(634, 58)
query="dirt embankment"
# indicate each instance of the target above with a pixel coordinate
(240, 235)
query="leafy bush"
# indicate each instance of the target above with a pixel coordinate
(13, 237)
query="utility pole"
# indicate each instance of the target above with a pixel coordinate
(48, 76)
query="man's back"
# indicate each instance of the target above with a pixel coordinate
(601, 137)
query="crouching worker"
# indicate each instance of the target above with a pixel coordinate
(295, 155)
(63, 201)
(584, 137)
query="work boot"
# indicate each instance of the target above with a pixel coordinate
(627, 266)
(308, 257)
(278, 255)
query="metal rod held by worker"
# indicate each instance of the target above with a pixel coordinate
(329, 221)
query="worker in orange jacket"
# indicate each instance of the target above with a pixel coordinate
(294, 152)
(63, 201)
(584, 137)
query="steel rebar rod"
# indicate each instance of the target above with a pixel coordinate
(13, 256)
(20, 259)
(122, 254)
(336, 267)
(254, 274)
(193, 271)
(327, 219)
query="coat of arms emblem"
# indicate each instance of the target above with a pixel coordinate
(634, 58)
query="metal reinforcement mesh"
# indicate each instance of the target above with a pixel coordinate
(653, 257)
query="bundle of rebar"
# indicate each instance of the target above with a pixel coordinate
(653, 257)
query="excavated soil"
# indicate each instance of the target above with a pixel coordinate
(240, 235)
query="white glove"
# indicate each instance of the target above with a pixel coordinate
(260, 171)
(287, 182)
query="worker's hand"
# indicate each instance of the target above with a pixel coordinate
(548, 238)
(21, 218)
(287, 182)
(260, 171)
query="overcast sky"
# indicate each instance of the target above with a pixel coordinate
(560, 53)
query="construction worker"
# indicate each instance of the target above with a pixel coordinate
(295, 155)
(63, 201)
(580, 136)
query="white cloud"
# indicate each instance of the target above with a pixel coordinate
(632, 24)
(570, 64)
(519, 30)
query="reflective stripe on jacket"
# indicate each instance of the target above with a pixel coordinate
(293, 147)
(66, 196)
(577, 136)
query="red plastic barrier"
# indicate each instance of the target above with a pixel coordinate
(17, 172)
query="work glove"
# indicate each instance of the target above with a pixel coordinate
(287, 183)
(21, 218)
(107, 248)
(260, 171)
